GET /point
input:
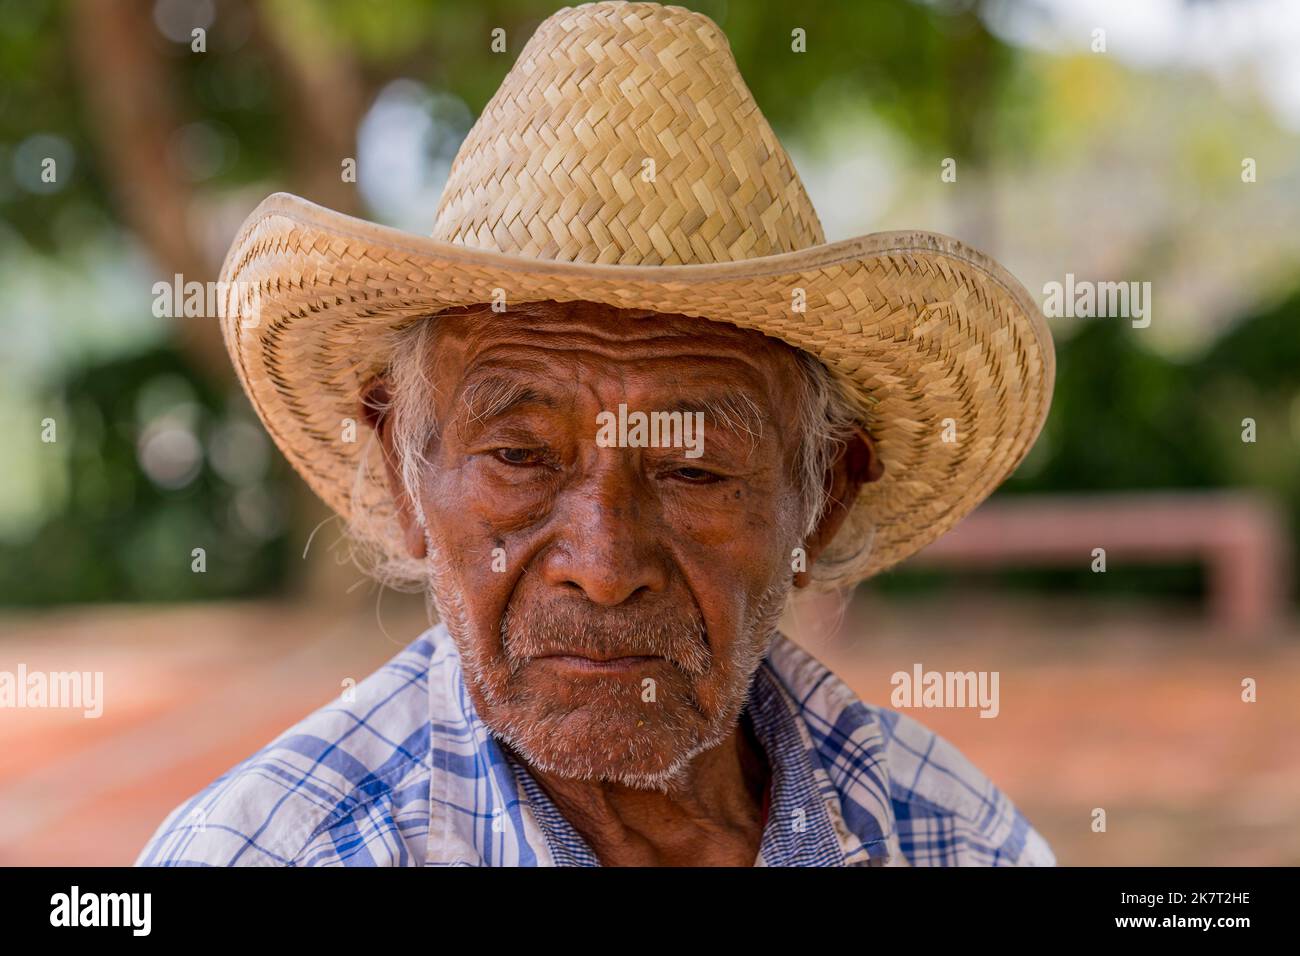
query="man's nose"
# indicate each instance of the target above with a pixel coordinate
(607, 546)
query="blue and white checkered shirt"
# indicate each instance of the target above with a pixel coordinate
(406, 774)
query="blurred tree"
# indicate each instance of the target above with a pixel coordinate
(167, 143)
(156, 464)
(1125, 418)
(1253, 372)
(137, 117)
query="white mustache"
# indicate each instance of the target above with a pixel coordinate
(680, 638)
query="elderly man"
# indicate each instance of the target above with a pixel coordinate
(606, 684)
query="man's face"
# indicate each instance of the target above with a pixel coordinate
(610, 603)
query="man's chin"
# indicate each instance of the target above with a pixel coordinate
(606, 745)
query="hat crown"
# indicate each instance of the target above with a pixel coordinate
(625, 134)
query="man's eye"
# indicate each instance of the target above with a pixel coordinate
(519, 456)
(695, 476)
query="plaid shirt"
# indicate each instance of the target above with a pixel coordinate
(406, 774)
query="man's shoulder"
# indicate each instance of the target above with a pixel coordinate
(945, 811)
(346, 784)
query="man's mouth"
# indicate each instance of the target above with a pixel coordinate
(599, 665)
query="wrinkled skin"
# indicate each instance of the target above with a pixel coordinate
(640, 589)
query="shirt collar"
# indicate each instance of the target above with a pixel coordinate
(829, 807)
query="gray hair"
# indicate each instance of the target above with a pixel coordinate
(827, 413)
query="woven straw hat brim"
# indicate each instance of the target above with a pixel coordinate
(926, 329)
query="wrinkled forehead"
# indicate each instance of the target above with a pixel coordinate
(613, 350)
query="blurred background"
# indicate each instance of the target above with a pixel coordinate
(1111, 141)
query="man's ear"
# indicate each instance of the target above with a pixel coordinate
(376, 410)
(857, 464)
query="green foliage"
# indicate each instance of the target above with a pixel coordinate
(929, 70)
(38, 97)
(121, 536)
(1125, 419)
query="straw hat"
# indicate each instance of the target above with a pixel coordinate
(551, 197)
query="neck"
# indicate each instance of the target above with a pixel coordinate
(713, 817)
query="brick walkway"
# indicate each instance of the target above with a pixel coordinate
(1135, 713)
